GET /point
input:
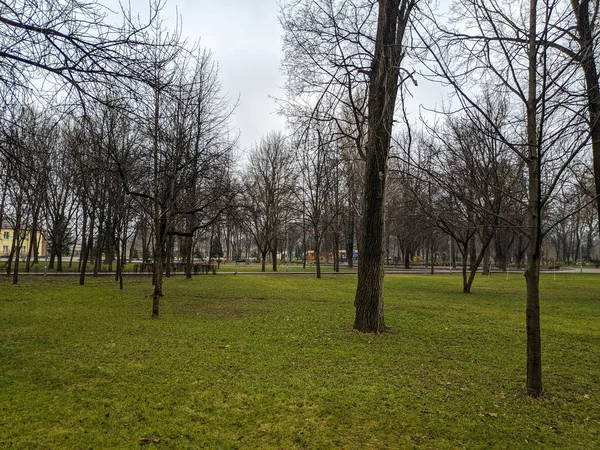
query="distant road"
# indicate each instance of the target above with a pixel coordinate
(295, 271)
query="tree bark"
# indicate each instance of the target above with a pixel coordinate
(87, 243)
(318, 255)
(350, 239)
(263, 257)
(17, 240)
(590, 70)
(383, 90)
(532, 273)
(274, 256)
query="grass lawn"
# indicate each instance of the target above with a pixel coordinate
(273, 362)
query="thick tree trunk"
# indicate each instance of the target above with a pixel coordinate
(158, 282)
(159, 261)
(383, 89)
(472, 253)
(274, 256)
(486, 261)
(590, 70)
(263, 257)
(464, 251)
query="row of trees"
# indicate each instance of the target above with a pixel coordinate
(511, 151)
(108, 130)
(133, 141)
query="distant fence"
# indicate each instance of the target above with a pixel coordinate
(197, 268)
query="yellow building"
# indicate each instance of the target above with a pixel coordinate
(6, 242)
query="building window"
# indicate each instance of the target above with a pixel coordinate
(5, 249)
(7, 235)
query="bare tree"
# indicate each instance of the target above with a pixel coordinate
(69, 44)
(393, 18)
(316, 162)
(587, 18)
(515, 54)
(269, 191)
(334, 50)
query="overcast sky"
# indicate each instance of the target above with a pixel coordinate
(245, 39)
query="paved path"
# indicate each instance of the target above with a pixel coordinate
(283, 271)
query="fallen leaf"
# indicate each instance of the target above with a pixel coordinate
(491, 414)
(148, 440)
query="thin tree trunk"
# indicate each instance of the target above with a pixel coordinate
(17, 241)
(169, 257)
(74, 243)
(86, 248)
(32, 244)
(318, 255)
(478, 258)
(336, 252)
(432, 251)
(350, 240)
(188, 257)
(532, 274)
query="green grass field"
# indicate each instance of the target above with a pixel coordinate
(272, 362)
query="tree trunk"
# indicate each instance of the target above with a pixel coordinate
(169, 257)
(590, 70)
(274, 256)
(486, 261)
(336, 252)
(318, 255)
(432, 248)
(475, 265)
(159, 260)
(133, 242)
(263, 257)
(472, 253)
(350, 240)
(383, 90)
(32, 244)
(17, 241)
(464, 251)
(532, 274)
(189, 259)
(85, 250)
